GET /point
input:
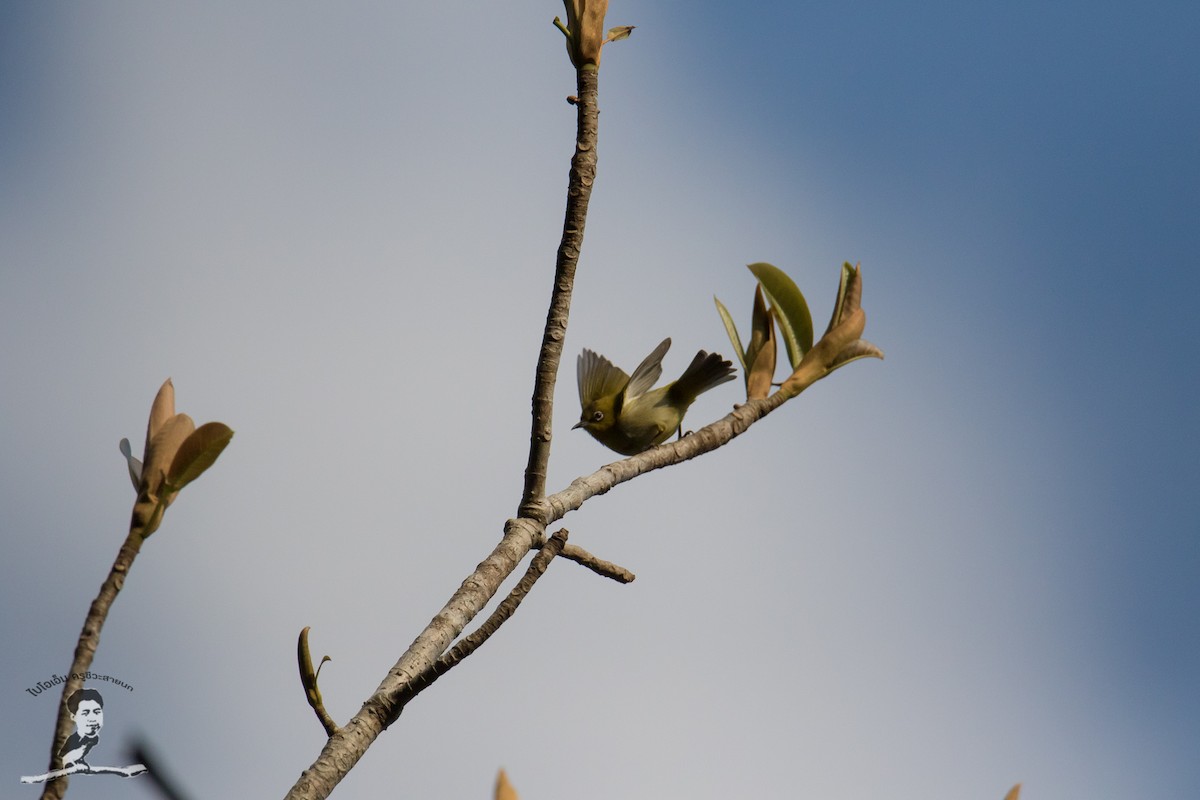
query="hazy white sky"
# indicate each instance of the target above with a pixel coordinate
(972, 564)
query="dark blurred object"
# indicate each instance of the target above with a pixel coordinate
(141, 752)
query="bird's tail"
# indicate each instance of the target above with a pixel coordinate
(706, 371)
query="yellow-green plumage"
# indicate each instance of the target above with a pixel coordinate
(624, 414)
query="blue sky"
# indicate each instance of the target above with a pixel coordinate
(972, 564)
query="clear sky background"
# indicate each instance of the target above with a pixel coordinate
(334, 225)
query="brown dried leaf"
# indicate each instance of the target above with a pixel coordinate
(161, 450)
(853, 300)
(859, 348)
(762, 370)
(847, 271)
(504, 789)
(161, 410)
(585, 21)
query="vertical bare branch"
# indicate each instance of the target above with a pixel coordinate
(343, 750)
(579, 192)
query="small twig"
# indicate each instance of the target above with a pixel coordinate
(605, 569)
(470, 643)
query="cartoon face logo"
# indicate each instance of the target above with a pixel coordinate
(86, 708)
(89, 718)
(87, 711)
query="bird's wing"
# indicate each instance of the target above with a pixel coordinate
(597, 377)
(647, 372)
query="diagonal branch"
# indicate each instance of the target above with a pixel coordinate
(710, 437)
(343, 750)
(469, 644)
(817, 364)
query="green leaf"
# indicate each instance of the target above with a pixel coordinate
(308, 677)
(791, 309)
(197, 453)
(731, 330)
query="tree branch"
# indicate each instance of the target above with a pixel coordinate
(176, 453)
(469, 644)
(605, 569)
(85, 652)
(817, 363)
(421, 662)
(343, 750)
(579, 192)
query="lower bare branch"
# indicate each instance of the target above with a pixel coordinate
(507, 607)
(344, 749)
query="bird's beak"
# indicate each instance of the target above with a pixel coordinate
(577, 425)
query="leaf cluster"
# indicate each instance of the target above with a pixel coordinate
(778, 302)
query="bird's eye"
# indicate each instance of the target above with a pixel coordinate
(597, 416)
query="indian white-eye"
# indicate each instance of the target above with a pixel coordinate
(624, 414)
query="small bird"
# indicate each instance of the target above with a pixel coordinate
(624, 414)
